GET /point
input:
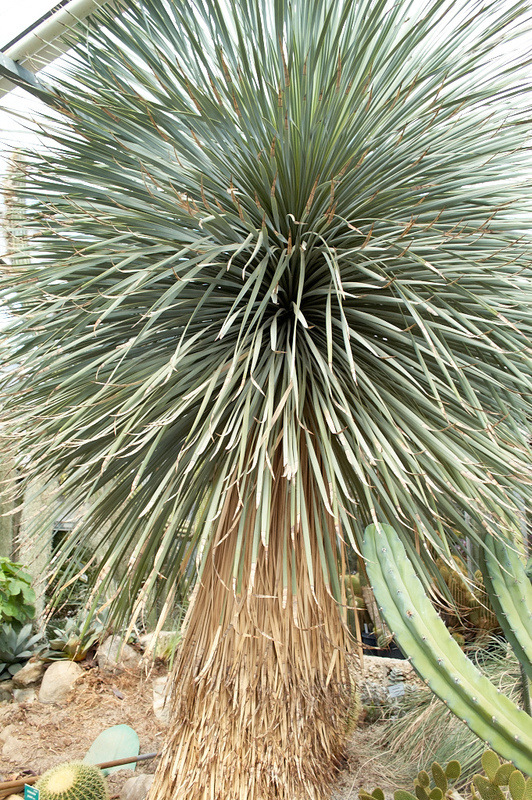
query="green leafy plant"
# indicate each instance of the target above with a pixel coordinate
(17, 598)
(17, 645)
(73, 781)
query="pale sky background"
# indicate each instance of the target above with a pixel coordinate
(17, 15)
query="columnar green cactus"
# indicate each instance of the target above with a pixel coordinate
(73, 781)
(510, 594)
(436, 656)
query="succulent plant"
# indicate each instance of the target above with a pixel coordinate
(355, 602)
(472, 615)
(16, 647)
(74, 638)
(437, 787)
(73, 781)
(436, 656)
(502, 781)
(510, 593)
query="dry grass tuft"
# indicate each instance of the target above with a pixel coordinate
(368, 766)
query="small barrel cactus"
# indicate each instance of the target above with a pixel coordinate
(73, 781)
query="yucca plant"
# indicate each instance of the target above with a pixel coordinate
(280, 286)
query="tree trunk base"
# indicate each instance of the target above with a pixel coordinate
(261, 693)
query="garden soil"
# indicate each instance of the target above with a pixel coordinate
(35, 736)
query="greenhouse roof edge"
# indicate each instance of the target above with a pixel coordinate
(41, 43)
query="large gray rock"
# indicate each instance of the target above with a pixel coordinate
(136, 788)
(58, 680)
(30, 673)
(114, 654)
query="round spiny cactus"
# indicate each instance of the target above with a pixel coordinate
(73, 781)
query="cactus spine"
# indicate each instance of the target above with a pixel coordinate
(73, 781)
(436, 656)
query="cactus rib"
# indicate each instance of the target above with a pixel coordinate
(436, 656)
(510, 594)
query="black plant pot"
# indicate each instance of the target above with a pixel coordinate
(370, 648)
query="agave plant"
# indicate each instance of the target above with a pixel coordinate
(75, 636)
(17, 645)
(280, 286)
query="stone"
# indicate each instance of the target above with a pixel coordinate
(58, 680)
(13, 750)
(386, 680)
(113, 654)
(26, 695)
(380, 670)
(136, 788)
(161, 699)
(158, 645)
(30, 673)
(6, 691)
(6, 733)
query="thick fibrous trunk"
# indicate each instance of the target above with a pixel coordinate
(260, 687)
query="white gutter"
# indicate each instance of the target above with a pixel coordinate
(45, 43)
